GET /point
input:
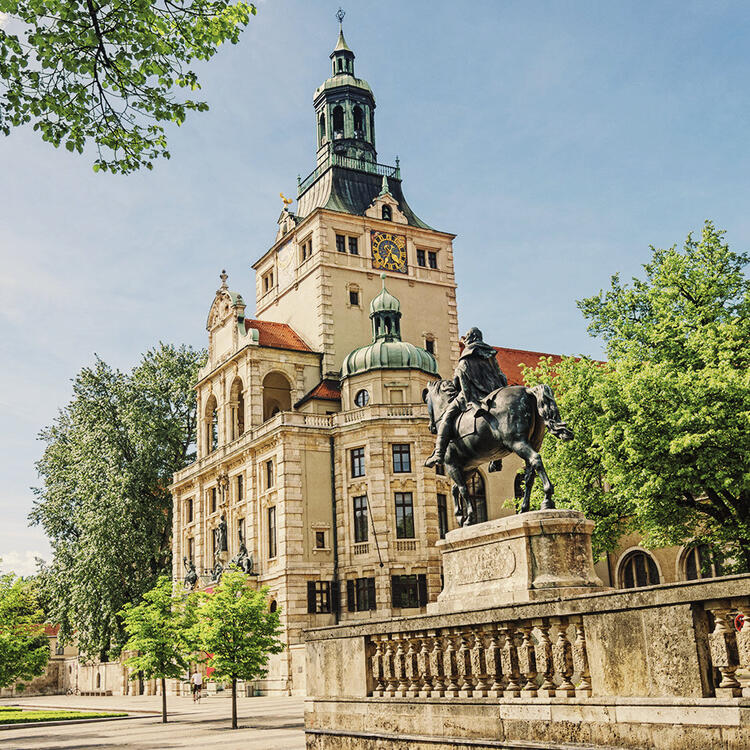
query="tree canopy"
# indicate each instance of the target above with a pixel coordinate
(24, 648)
(105, 502)
(662, 440)
(238, 631)
(86, 70)
(159, 630)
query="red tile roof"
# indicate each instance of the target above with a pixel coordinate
(277, 335)
(50, 630)
(510, 361)
(326, 390)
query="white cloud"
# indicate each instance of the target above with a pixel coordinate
(20, 563)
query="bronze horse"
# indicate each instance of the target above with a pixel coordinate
(509, 420)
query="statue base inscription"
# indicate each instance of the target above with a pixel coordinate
(542, 554)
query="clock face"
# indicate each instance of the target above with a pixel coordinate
(389, 251)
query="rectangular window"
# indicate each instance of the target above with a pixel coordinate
(401, 458)
(432, 259)
(269, 474)
(421, 261)
(272, 531)
(360, 518)
(320, 540)
(191, 549)
(353, 247)
(189, 510)
(360, 594)
(213, 499)
(240, 488)
(442, 505)
(404, 515)
(59, 650)
(358, 462)
(353, 298)
(341, 243)
(268, 282)
(409, 591)
(429, 345)
(318, 597)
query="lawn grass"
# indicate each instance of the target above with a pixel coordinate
(12, 715)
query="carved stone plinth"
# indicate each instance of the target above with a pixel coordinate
(543, 554)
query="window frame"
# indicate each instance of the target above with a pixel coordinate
(340, 243)
(353, 245)
(415, 584)
(432, 259)
(360, 518)
(400, 464)
(405, 521)
(442, 508)
(319, 598)
(357, 467)
(270, 477)
(272, 541)
(421, 258)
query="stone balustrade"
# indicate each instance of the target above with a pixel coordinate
(663, 667)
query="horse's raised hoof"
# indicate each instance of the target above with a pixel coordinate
(548, 504)
(460, 520)
(524, 508)
(469, 520)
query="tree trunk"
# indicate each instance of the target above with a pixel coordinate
(234, 703)
(163, 700)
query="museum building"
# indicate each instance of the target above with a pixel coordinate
(312, 432)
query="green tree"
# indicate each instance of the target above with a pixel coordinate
(159, 630)
(109, 72)
(238, 631)
(24, 648)
(663, 426)
(105, 501)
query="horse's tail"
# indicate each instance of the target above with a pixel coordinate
(548, 411)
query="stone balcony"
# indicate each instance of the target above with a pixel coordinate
(301, 420)
(660, 667)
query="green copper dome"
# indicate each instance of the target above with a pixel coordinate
(387, 351)
(385, 301)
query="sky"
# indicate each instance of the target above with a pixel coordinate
(558, 140)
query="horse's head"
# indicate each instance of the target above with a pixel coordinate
(437, 396)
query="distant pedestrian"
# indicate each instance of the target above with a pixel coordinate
(197, 682)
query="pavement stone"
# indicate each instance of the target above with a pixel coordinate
(266, 723)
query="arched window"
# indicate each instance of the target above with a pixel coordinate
(386, 213)
(359, 122)
(212, 424)
(338, 121)
(638, 569)
(698, 562)
(321, 128)
(475, 489)
(273, 606)
(277, 394)
(237, 403)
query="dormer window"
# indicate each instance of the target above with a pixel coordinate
(386, 213)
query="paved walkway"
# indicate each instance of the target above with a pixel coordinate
(265, 724)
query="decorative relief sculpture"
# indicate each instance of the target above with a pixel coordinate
(191, 576)
(479, 418)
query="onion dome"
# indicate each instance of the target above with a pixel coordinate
(387, 351)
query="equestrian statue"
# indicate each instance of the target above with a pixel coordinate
(479, 418)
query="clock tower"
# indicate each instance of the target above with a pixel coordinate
(351, 223)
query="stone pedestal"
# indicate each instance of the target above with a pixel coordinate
(542, 554)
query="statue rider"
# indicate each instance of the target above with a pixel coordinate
(476, 376)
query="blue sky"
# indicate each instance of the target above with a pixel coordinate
(558, 140)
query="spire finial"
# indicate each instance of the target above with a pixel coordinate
(340, 13)
(223, 276)
(383, 277)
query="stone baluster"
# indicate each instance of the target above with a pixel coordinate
(463, 662)
(412, 668)
(527, 661)
(581, 659)
(724, 654)
(562, 656)
(377, 665)
(437, 670)
(399, 663)
(479, 664)
(450, 667)
(389, 671)
(743, 641)
(544, 663)
(493, 660)
(424, 665)
(509, 658)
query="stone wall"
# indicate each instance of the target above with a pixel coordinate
(659, 667)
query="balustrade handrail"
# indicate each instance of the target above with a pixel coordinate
(348, 162)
